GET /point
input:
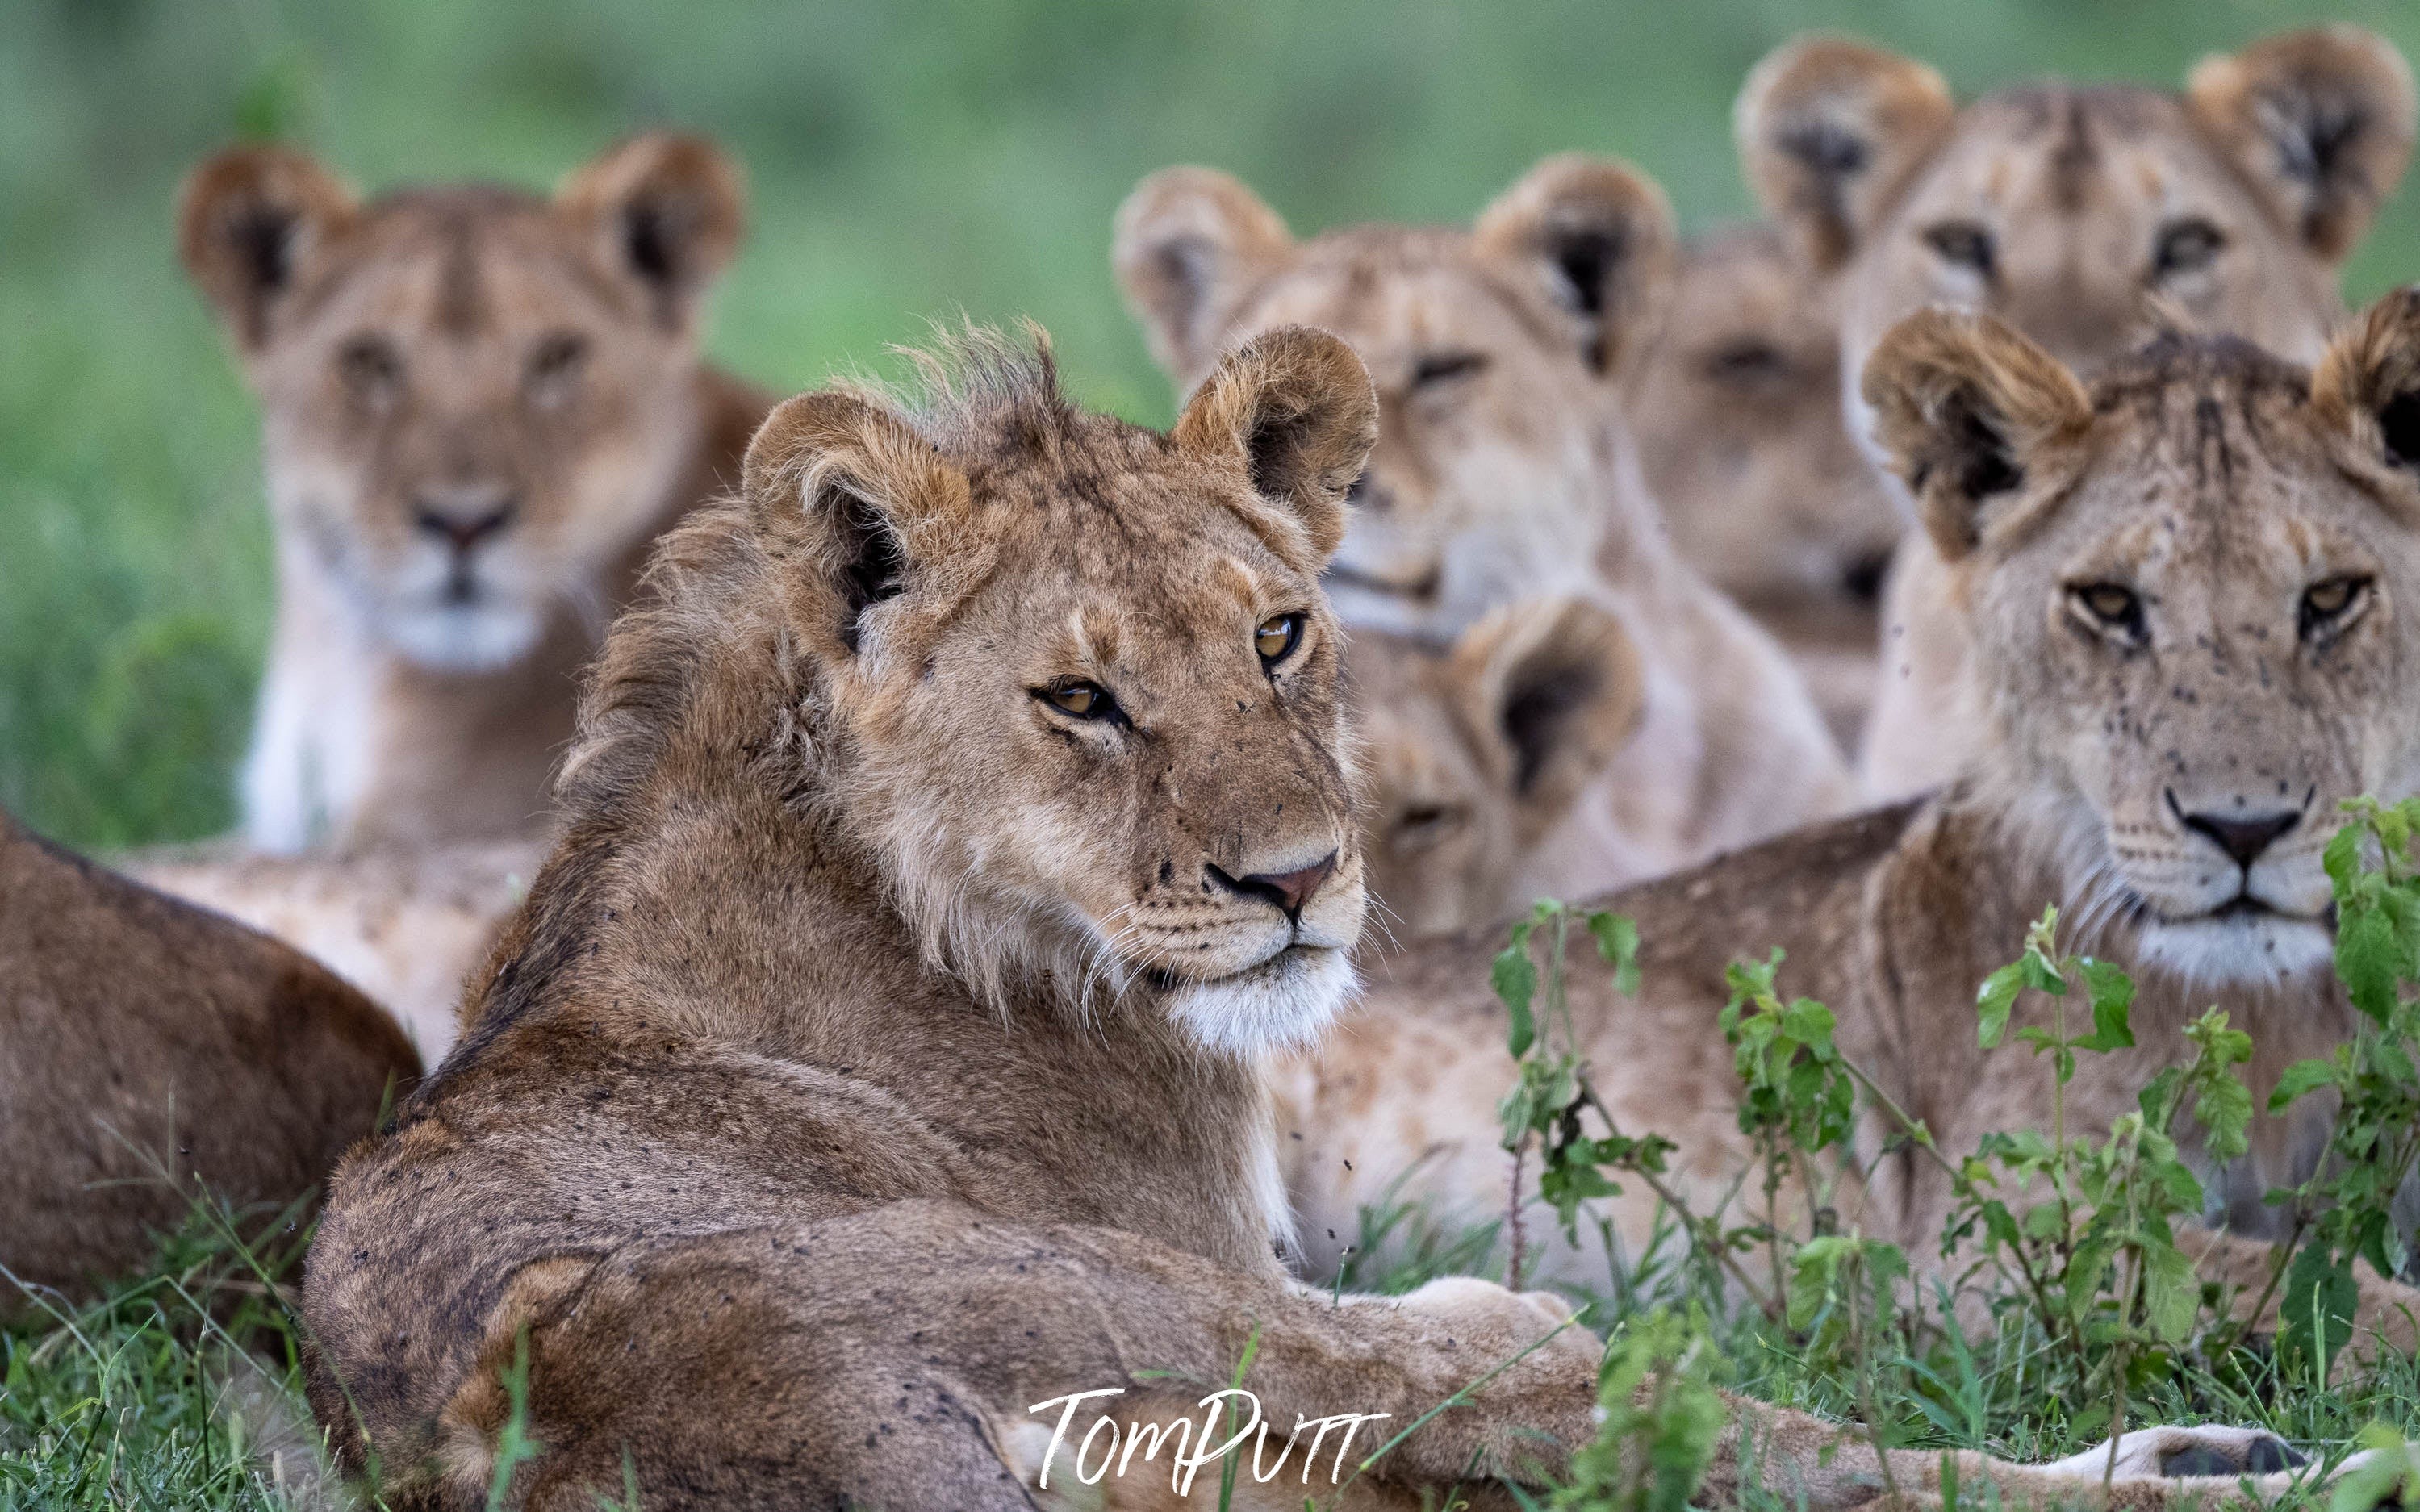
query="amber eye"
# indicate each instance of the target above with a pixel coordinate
(1963, 242)
(1085, 701)
(1277, 638)
(2111, 607)
(2329, 606)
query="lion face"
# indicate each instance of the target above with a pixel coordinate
(1082, 685)
(1475, 760)
(1737, 414)
(1493, 350)
(2185, 588)
(2073, 213)
(474, 398)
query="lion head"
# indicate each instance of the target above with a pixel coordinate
(1736, 410)
(2064, 211)
(1496, 351)
(2184, 585)
(1068, 686)
(474, 397)
(1476, 758)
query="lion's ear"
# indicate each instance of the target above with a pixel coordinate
(2368, 382)
(1596, 237)
(1549, 690)
(666, 209)
(2320, 121)
(1296, 408)
(248, 221)
(1187, 241)
(1827, 128)
(848, 491)
(1963, 403)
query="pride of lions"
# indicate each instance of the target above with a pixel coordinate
(787, 933)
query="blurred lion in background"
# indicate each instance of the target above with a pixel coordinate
(479, 407)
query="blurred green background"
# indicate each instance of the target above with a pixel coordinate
(907, 161)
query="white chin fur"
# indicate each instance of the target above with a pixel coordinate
(466, 637)
(2251, 950)
(1282, 1004)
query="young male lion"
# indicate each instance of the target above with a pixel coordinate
(150, 1051)
(480, 407)
(2064, 211)
(2187, 585)
(1502, 470)
(878, 1055)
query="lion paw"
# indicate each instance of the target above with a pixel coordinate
(2175, 1452)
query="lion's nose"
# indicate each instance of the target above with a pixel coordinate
(2243, 836)
(1289, 890)
(463, 522)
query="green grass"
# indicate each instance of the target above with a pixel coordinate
(177, 1388)
(907, 161)
(141, 1399)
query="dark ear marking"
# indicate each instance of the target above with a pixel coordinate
(1962, 404)
(1535, 715)
(645, 243)
(2319, 121)
(2398, 422)
(666, 208)
(874, 567)
(1986, 464)
(1828, 129)
(1187, 241)
(1594, 240)
(263, 238)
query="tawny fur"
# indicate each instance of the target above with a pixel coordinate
(479, 406)
(2231, 205)
(1736, 410)
(1474, 758)
(840, 1090)
(783, 1196)
(2218, 485)
(154, 1050)
(405, 924)
(1503, 469)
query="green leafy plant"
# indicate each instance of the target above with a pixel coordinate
(1661, 1418)
(1545, 1106)
(2343, 1212)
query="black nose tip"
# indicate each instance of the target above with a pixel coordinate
(2241, 836)
(1288, 890)
(463, 529)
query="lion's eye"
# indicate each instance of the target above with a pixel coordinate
(1965, 243)
(1085, 701)
(1425, 824)
(2186, 246)
(556, 363)
(2330, 605)
(1746, 362)
(1444, 367)
(2111, 607)
(370, 366)
(1277, 638)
